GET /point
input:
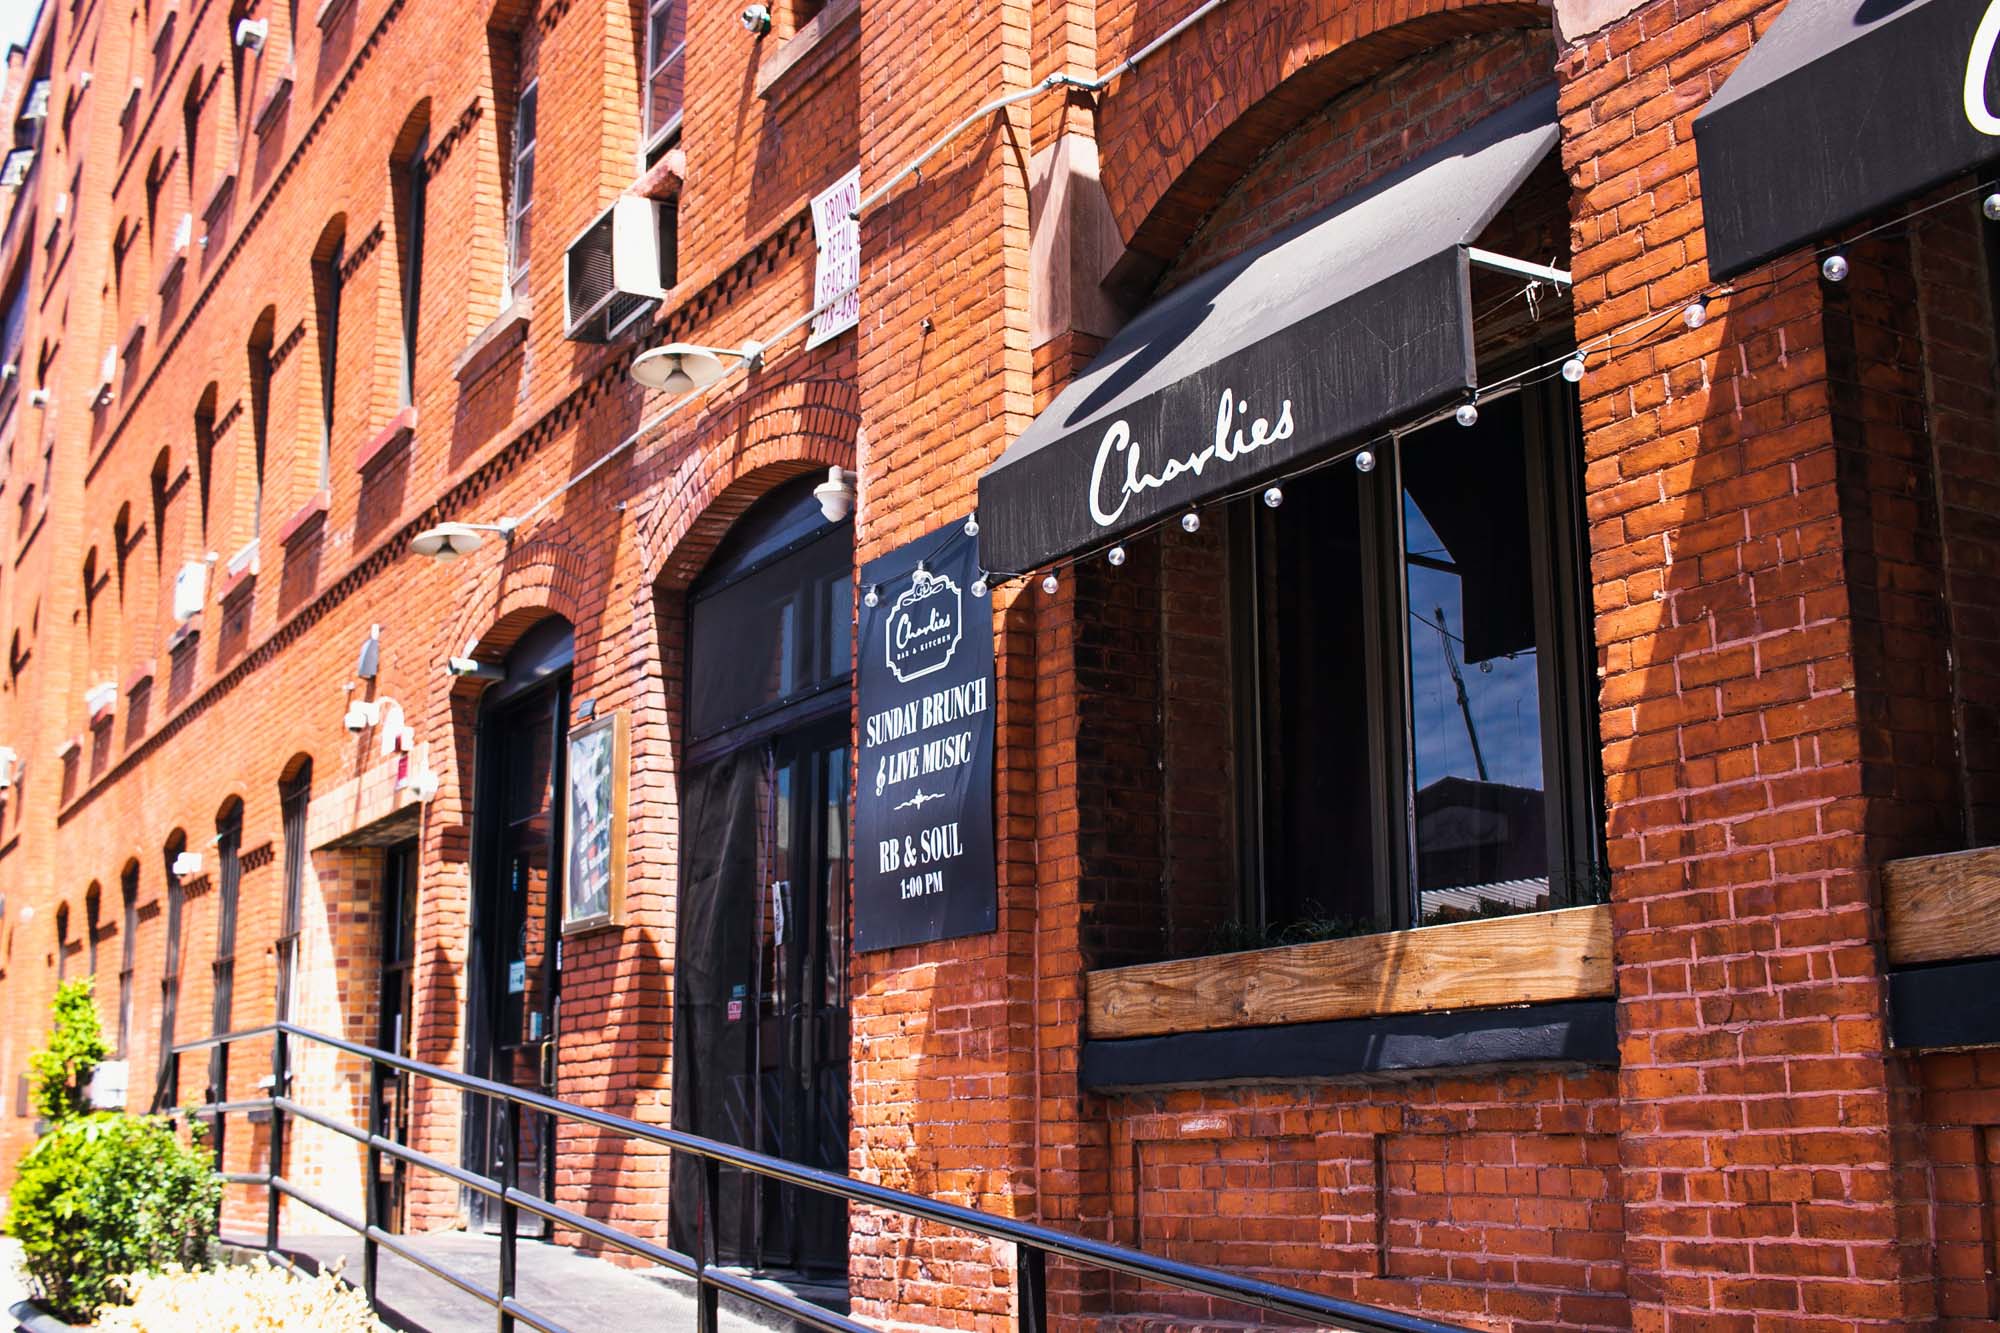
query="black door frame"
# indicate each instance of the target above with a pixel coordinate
(503, 704)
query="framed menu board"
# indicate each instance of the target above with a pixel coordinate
(594, 885)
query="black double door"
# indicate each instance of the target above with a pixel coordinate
(761, 1014)
(518, 862)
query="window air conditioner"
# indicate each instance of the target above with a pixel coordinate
(617, 270)
(183, 233)
(62, 204)
(100, 698)
(8, 762)
(37, 106)
(190, 590)
(15, 169)
(186, 863)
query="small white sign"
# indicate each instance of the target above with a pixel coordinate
(108, 1084)
(838, 235)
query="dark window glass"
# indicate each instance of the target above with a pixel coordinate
(1414, 695)
(128, 893)
(772, 619)
(1480, 817)
(293, 799)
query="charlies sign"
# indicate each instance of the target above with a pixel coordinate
(1119, 457)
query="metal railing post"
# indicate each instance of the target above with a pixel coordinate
(1031, 1289)
(372, 1201)
(280, 1087)
(706, 1247)
(509, 1211)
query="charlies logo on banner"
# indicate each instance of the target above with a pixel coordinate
(1232, 441)
(1977, 109)
(924, 626)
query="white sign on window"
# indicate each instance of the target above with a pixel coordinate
(838, 235)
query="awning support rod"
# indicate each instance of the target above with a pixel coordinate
(1519, 267)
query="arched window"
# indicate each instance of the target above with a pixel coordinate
(93, 912)
(294, 798)
(408, 182)
(228, 882)
(166, 1087)
(128, 956)
(62, 943)
(328, 257)
(250, 481)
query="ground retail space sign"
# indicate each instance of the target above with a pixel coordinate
(923, 807)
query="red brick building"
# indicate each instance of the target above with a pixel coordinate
(1470, 836)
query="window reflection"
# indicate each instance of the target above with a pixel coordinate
(1479, 811)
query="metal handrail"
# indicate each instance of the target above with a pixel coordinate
(1034, 1243)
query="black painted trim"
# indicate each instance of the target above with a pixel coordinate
(1580, 1032)
(1951, 1004)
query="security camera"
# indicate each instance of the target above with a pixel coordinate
(756, 20)
(361, 715)
(250, 34)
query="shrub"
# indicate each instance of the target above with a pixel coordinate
(239, 1298)
(103, 1196)
(76, 1045)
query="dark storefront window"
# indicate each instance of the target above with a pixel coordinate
(128, 955)
(1416, 736)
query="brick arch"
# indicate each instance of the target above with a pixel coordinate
(1262, 67)
(769, 437)
(503, 599)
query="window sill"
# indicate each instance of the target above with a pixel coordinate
(1939, 909)
(662, 181)
(274, 102)
(213, 207)
(238, 574)
(828, 33)
(1534, 958)
(508, 330)
(141, 675)
(401, 428)
(308, 513)
(175, 267)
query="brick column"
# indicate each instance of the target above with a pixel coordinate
(1743, 763)
(942, 1075)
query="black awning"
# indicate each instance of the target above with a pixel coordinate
(1841, 108)
(1353, 319)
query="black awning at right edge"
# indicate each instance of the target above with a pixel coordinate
(1842, 108)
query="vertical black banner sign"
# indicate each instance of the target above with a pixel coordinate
(923, 800)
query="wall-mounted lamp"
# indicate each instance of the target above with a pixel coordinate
(371, 654)
(756, 20)
(836, 494)
(472, 668)
(680, 368)
(449, 541)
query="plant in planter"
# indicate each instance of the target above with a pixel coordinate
(240, 1298)
(104, 1195)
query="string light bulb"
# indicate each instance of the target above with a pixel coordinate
(1990, 206)
(1834, 267)
(872, 598)
(1115, 556)
(1696, 315)
(1190, 522)
(1365, 461)
(1273, 496)
(979, 586)
(1049, 584)
(1573, 369)
(972, 525)
(1467, 413)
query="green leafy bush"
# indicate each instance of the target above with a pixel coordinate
(76, 1045)
(109, 1195)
